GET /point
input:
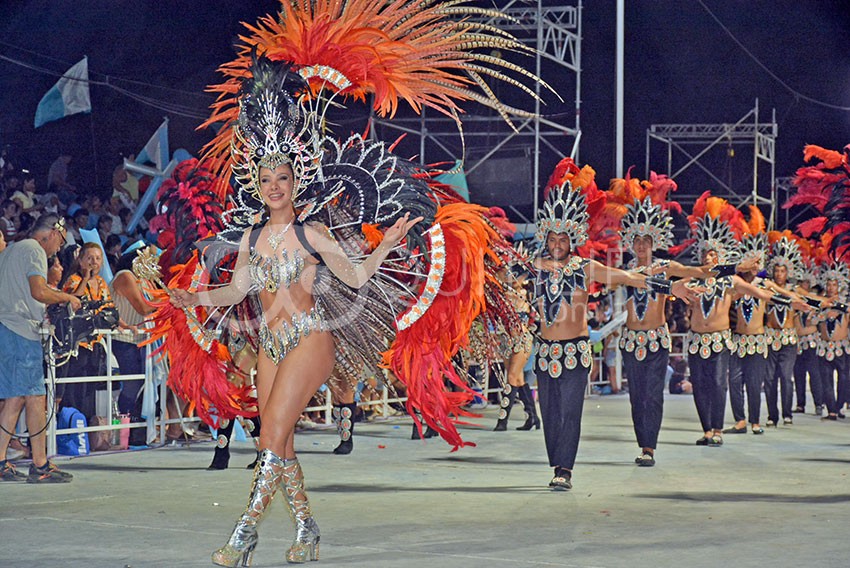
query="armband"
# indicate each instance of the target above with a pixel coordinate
(722, 270)
(659, 285)
(780, 300)
(812, 302)
(840, 307)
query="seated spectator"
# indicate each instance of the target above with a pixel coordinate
(25, 223)
(9, 219)
(113, 251)
(113, 208)
(104, 227)
(50, 203)
(80, 220)
(2, 242)
(26, 197)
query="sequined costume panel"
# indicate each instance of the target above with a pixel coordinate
(705, 344)
(272, 274)
(555, 356)
(830, 349)
(276, 343)
(716, 288)
(558, 286)
(779, 338)
(642, 342)
(808, 341)
(750, 344)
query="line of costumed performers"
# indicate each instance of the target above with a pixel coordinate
(303, 257)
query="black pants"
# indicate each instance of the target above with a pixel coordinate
(780, 366)
(646, 393)
(826, 377)
(87, 363)
(746, 373)
(805, 366)
(708, 377)
(561, 404)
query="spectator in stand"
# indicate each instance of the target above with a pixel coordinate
(679, 383)
(132, 309)
(86, 284)
(26, 197)
(113, 251)
(9, 219)
(11, 183)
(54, 272)
(23, 279)
(50, 203)
(57, 179)
(80, 220)
(104, 227)
(120, 177)
(95, 206)
(113, 208)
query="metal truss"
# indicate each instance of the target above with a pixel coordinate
(554, 33)
(695, 142)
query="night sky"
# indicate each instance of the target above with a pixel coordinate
(681, 67)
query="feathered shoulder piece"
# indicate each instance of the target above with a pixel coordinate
(643, 209)
(426, 52)
(579, 199)
(716, 225)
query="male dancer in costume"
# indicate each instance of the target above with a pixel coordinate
(710, 338)
(645, 343)
(833, 343)
(563, 351)
(806, 326)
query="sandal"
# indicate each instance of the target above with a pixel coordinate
(563, 480)
(645, 460)
(758, 430)
(715, 441)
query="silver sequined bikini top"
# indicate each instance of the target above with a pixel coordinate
(272, 274)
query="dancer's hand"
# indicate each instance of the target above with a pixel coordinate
(399, 229)
(183, 298)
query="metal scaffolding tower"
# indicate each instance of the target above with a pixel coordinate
(681, 139)
(555, 35)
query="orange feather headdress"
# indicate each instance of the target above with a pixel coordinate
(643, 208)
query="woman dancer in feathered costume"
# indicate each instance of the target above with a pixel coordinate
(318, 223)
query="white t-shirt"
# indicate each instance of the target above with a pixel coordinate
(19, 311)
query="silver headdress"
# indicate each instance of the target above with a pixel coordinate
(274, 128)
(643, 219)
(835, 270)
(565, 211)
(785, 252)
(754, 246)
(712, 233)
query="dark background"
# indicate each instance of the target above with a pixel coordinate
(681, 67)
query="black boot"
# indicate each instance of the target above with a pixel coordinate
(343, 415)
(508, 398)
(427, 431)
(221, 457)
(252, 428)
(531, 418)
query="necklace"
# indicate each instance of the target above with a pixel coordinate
(276, 238)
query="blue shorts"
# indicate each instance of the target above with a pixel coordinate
(21, 368)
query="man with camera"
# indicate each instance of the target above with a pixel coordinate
(23, 279)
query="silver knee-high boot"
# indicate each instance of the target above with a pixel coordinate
(243, 540)
(306, 544)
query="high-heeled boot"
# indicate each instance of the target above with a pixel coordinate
(343, 415)
(221, 457)
(531, 418)
(306, 544)
(505, 405)
(243, 540)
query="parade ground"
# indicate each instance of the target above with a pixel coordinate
(777, 500)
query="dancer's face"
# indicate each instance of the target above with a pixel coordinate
(831, 288)
(710, 257)
(642, 246)
(558, 245)
(276, 186)
(780, 274)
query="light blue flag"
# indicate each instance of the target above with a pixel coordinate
(156, 150)
(70, 95)
(92, 236)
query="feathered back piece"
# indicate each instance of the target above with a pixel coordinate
(716, 225)
(825, 186)
(754, 244)
(785, 251)
(600, 222)
(428, 53)
(644, 209)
